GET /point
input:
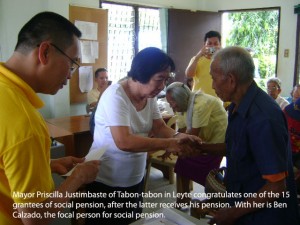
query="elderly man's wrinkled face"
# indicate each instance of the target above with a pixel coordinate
(273, 89)
(221, 83)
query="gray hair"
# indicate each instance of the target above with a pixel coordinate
(180, 93)
(237, 61)
(275, 80)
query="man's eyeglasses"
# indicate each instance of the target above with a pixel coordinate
(272, 88)
(74, 65)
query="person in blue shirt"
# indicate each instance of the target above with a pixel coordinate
(257, 147)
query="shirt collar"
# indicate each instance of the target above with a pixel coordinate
(22, 85)
(246, 100)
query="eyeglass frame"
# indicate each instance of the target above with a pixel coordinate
(72, 68)
(273, 88)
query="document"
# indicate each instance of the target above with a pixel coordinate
(92, 155)
(86, 78)
(89, 30)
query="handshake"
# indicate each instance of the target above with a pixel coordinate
(185, 145)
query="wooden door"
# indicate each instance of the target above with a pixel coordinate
(186, 31)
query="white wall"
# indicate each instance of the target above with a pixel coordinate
(14, 13)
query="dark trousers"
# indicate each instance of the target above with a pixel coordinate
(118, 209)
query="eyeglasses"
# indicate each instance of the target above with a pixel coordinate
(272, 88)
(74, 65)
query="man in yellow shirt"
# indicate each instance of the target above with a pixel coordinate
(199, 66)
(43, 61)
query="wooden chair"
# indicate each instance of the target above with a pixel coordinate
(154, 159)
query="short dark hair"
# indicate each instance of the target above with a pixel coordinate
(148, 62)
(99, 70)
(211, 34)
(46, 26)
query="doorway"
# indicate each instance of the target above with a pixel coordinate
(258, 32)
(187, 29)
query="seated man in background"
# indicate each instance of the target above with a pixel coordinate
(43, 61)
(274, 90)
(201, 115)
(101, 79)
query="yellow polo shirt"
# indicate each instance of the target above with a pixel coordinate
(202, 78)
(24, 146)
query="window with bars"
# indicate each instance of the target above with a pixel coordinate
(130, 29)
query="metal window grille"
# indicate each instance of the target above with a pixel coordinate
(149, 28)
(122, 35)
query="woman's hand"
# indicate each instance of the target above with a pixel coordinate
(183, 143)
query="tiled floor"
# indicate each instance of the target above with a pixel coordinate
(163, 192)
(159, 185)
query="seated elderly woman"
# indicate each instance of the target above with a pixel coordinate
(201, 115)
(274, 90)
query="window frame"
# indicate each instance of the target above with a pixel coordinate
(262, 9)
(136, 13)
(118, 72)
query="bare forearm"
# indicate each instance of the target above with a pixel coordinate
(163, 131)
(135, 143)
(213, 149)
(191, 68)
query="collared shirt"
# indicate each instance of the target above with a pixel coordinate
(282, 102)
(257, 144)
(24, 146)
